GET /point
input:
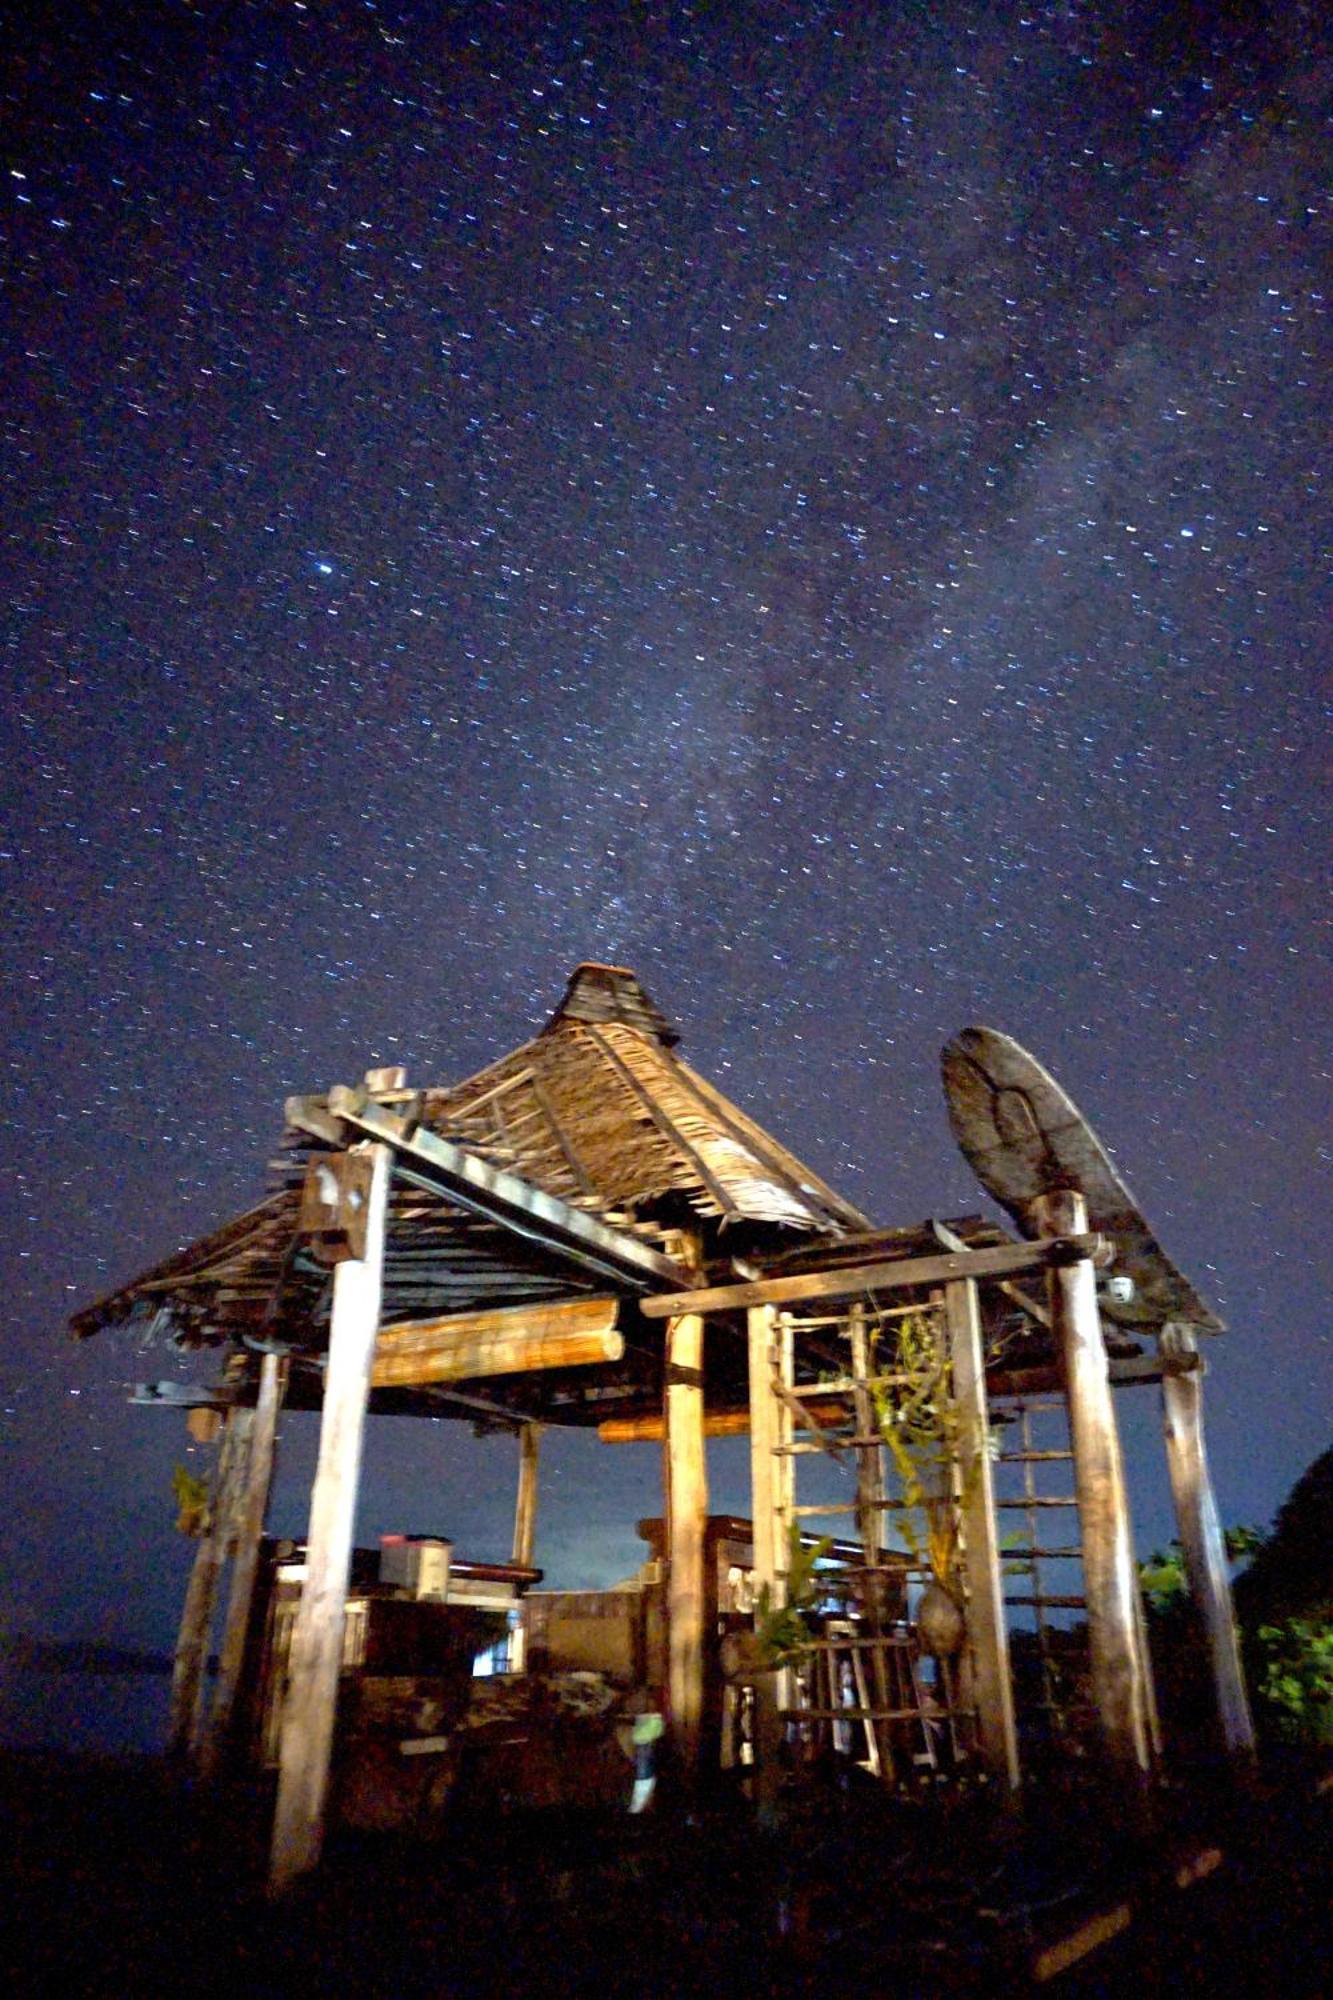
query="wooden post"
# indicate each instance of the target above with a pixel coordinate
(187, 1669)
(686, 1523)
(1200, 1531)
(251, 1514)
(1110, 1580)
(870, 1529)
(190, 1666)
(316, 1655)
(987, 1631)
(525, 1529)
(771, 1492)
(525, 1510)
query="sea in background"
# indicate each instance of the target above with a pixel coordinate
(82, 1700)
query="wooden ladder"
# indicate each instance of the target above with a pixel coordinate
(856, 1676)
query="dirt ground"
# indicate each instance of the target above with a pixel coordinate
(123, 1879)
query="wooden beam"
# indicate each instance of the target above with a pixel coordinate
(471, 1182)
(316, 1654)
(1200, 1532)
(949, 1239)
(251, 1513)
(652, 1430)
(1110, 1578)
(686, 1524)
(1001, 1262)
(506, 1341)
(987, 1630)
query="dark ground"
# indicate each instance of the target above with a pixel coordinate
(119, 1881)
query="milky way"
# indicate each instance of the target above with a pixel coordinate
(818, 504)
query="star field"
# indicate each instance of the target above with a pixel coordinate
(821, 504)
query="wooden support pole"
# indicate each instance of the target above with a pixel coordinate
(317, 1640)
(525, 1509)
(771, 1493)
(1200, 1532)
(870, 1494)
(1110, 1580)
(686, 1524)
(988, 1633)
(190, 1666)
(187, 1667)
(251, 1514)
(525, 1529)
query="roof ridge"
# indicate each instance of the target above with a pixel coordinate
(597, 994)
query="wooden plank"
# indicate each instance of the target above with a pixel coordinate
(854, 1279)
(316, 1651)
(1109, 1573)
(1200, 1532)
(512, 1340)
(252, 1512)
(1090, 1935)
(460, 1176)
(987, 1630)
(1124, 1371)
(686, 1524)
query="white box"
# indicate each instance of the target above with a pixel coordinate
(418, 1565)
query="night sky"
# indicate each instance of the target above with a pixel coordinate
(817, 503)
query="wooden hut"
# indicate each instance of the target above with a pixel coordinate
(589, 1233)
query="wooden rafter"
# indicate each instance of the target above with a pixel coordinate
(465, 1178)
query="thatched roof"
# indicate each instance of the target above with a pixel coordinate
(599, 1105)
(597, 1111)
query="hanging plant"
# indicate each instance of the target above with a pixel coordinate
(191, 1495)
(919, 1422)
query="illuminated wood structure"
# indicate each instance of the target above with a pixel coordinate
(588, 1233)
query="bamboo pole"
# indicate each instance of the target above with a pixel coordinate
(316, 1655)
(1200, 1532)
(987, 1630)
(252, 1511)
(686, 1525)
(1110, 1577)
